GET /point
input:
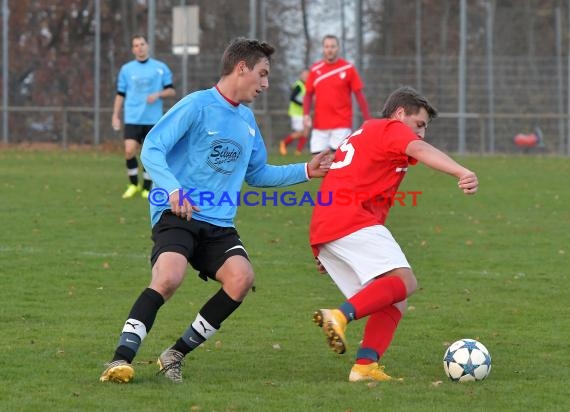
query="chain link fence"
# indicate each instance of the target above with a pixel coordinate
(528, 90)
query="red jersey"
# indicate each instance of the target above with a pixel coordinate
(359, 188)
(332, 84)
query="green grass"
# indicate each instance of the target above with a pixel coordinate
(74, 256)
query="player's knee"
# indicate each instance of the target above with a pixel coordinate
(402, 306)
(236, 276)
(130, 153)
(410, 281)
(167, 290)
(243, 281)
(238, 282)
(412, 284)
(239, 286)
(166, 285)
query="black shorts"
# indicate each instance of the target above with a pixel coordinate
(205, 246)
(137, 131)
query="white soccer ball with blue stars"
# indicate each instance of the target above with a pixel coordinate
(467, 360)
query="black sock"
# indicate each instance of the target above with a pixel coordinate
(146, 307)
(147, 183)
(209, 319)
(142, 314)
(133, 170)
(219, 308)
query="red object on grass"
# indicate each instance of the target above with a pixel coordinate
(526, 140)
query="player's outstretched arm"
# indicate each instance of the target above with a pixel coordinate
(436, 159)
(320, 164)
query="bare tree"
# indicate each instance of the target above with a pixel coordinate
(307, 58)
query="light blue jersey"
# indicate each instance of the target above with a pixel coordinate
(137, 80)
(204, 144)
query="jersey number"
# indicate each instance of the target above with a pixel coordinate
(347, 148)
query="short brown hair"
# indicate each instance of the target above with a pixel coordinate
(332, 37)
(250, 51)
(138, 36)
(408, 98)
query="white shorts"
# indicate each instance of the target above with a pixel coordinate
(327, 139)
(354, 260)
(297, 123)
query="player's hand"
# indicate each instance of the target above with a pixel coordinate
(307, 122)
(320, 164)
(116, 123)
(151, 98)
(320, 266)
(182, 209)
(468, 183)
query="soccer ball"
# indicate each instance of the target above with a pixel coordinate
(467, 360)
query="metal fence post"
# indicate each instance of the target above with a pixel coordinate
(5, 70)
(490, 75)
(64, 128)
(461, 77)
(97, 72)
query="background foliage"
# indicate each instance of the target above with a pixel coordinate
(52, 61)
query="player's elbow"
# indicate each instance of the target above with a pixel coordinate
(145, 155)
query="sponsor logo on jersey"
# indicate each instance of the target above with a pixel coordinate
(224, 155)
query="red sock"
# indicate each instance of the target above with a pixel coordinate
(301, 144)
(380, 293)
(288, 140)
(379, 332)
(364, 361)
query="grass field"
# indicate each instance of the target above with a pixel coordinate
(494, 267)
